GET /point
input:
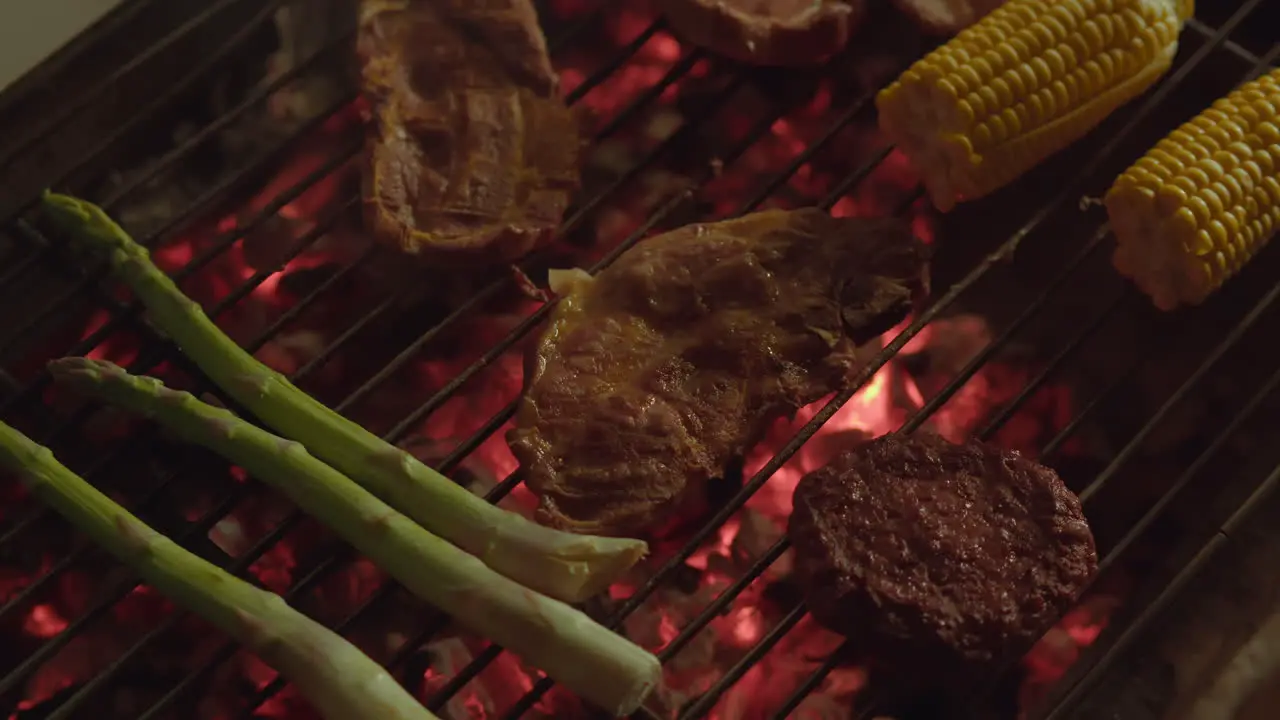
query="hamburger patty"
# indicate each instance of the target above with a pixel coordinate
(938, 558)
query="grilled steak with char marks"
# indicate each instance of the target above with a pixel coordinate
(937, 559)
(472, 156)
(654, 375)
(766, 32)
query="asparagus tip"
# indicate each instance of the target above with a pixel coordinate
(82, 371)
(82, 219)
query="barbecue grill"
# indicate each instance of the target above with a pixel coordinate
(211, 165)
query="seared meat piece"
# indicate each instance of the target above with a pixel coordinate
(766, 32)
(471, 157)
(946, 17)
(672, 362)
(938, 559)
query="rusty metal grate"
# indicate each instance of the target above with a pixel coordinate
(26, 396)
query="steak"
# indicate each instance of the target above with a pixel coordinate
(657, 373)
(946, 17)
(766, 32)
(938, 560)
(471, 155)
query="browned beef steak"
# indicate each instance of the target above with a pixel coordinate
(472, 157)
(938, 558)
(653, 376)
(947, 17)
(766, 32)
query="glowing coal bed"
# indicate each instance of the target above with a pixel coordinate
(370, 306)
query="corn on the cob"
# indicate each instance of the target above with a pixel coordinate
(1196, 208)
(1023, 83)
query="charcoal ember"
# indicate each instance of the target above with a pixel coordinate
(756, 534)
(289, 352)
(497, 688)
(269, 245)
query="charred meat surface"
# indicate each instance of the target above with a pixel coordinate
(946, 17)
(938, 558)
(655, 374)
(471, 156)
(766, 32)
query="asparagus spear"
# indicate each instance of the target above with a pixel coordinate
(569, 567)
(342, 682)
(585, 657)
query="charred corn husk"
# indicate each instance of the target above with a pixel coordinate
(1023, 83)
(1196, 208)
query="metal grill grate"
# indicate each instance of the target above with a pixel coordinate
(26, 394)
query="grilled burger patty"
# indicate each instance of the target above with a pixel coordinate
(938, 558)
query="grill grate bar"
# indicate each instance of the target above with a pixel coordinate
(536, 318)
(627, 52)
(210, 62)
(705, 702)
(1184, 390)
(811, 428)
(458, 454)
(146, 435)
(490, 427)
(133, 311)
(722, 602)
(491, 653)
(845, 651)
(336, 560)
(1187, 474)
(203, 525)
(1150, 104)
(87, 100)
(322, 227)
(114, 594)
(1125, 453)
(211, 195)
(491, 291)
(1174, 400)
(1231, 46)
(1126, 294)
(1135, 628)
(972, 367)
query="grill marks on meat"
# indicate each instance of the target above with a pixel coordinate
(938, 559)
(672, 362)
(766, 32)
(471, 155)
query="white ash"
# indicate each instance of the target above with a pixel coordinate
(1255, 666)
(308, 28)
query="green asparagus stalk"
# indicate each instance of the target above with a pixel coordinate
(339, 680)
(562, 565)
(585, 657)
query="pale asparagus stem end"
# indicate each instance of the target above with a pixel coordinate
(588, 565)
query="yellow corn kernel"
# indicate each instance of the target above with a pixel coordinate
(1023, 83)
(1203, 201)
